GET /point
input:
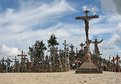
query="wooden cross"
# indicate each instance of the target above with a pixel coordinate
(23, 57)
(72, 47)
(113, 60)
(86, 19)
(66, 53)
(117, 60)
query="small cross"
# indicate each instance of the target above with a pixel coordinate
(22, 57)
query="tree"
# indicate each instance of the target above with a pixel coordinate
(36, 52)
(52, 41)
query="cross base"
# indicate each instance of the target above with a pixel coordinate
(88, 67)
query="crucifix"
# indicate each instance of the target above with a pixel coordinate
(86, 19)
(96, 49)
(23, 57)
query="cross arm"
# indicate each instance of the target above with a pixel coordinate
(95, 16)
(80, 17)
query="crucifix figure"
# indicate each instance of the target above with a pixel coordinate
(96, 49)
(86, 19)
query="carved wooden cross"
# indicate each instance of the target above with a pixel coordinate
(23, 57)
(86, 19)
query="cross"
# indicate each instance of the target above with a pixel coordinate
(22, 57)
(96, 50)
(72, 47)
(82, 46)
(117, 60)
(113, 60)
(86, 19)
(66, 52)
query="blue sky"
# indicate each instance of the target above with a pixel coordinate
(22, 22)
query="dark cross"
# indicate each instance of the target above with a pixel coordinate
(82, 45)
(66, 52)
(23, 57)
(72, 47)
(96, 50)
(113, 60)
(86, 19)
(65, 47)
(117, 61)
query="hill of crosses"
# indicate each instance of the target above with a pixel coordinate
(60, 60)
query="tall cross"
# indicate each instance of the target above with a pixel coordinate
(86, 19)
(65, 46)
(66, 52)
(113, 60)
(117, 61)
(23, 57)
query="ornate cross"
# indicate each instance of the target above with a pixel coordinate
(23, 57)
(86, 19)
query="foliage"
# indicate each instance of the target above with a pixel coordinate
(36, 52)
(52, 41)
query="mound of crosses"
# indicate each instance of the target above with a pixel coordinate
(88, 66)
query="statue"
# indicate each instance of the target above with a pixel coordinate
(97, 52)
(86, 19)
(87, 66)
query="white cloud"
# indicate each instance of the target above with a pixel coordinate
(8, 51)
(23, 27)
(108, 5)
(17, 28)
